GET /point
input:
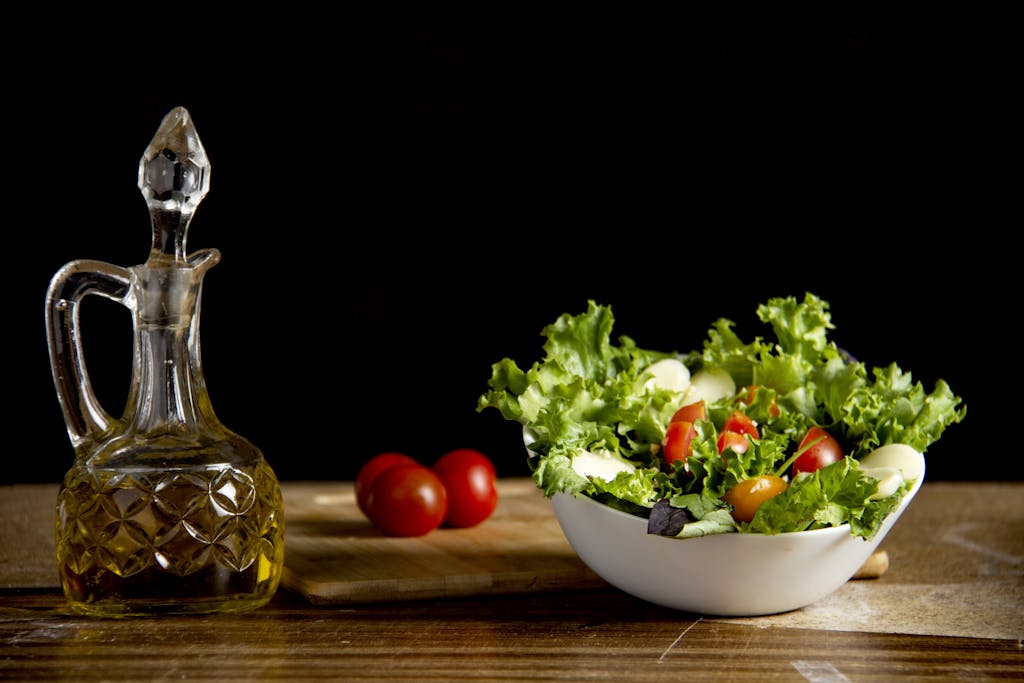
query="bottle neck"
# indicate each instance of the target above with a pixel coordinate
(168, 392)
(168, 384)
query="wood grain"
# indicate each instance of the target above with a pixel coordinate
(600, 636)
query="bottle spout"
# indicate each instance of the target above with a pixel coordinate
(174, 176)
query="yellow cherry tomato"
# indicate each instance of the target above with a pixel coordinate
(746, 497)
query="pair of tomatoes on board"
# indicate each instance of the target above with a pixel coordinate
(403, 497)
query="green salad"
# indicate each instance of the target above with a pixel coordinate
(754, 436)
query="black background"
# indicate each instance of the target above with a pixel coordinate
(400, 205)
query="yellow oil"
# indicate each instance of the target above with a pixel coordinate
(205, 539)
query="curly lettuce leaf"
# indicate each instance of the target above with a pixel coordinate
(587, 393)
(895, 409)
(801, 328)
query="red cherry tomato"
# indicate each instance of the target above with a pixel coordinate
(372, 469)
(741, 424)
(822, 450)
(471, 482)
(734, 441)
(678, 437)
(746, 496)
(407, 500)
(691, 413)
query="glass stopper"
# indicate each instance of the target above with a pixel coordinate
(174, 176)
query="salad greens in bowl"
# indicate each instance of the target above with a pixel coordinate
(741, 443)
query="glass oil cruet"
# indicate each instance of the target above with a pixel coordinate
(164, 510)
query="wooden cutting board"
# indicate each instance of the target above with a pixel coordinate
(333, 555)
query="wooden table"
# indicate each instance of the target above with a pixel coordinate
(950, 607)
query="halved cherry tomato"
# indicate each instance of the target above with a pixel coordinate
(748, 394)
(372, 469)
(746, 496)
(407, 500)
(691, 412)
(678, 437)
(822, 450)
(741, 424)
(470, 480)
(734, 441)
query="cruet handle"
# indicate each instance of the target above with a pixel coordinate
(84, 415)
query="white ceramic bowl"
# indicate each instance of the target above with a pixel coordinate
(732, 574)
